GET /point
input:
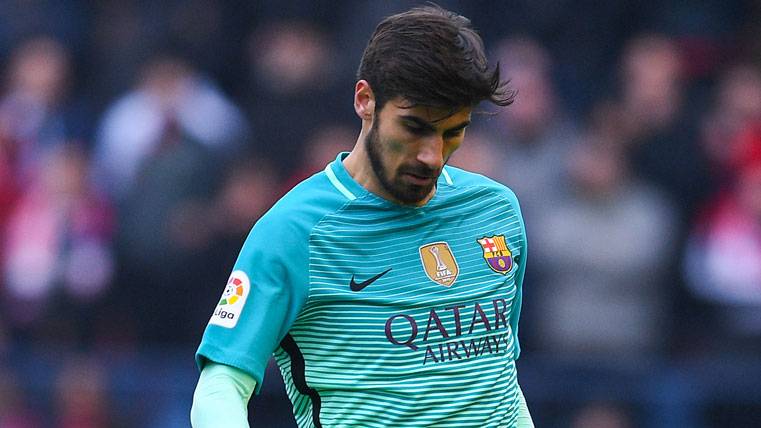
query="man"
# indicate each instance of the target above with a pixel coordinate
(388, 286)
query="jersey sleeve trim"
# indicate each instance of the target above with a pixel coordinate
(207, 352)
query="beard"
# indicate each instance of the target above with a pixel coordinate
(391, 181)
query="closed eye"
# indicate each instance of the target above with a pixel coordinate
(414, 129)
(454, 134)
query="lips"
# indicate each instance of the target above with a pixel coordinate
(420, 180)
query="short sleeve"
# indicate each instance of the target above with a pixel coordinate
(266, 290)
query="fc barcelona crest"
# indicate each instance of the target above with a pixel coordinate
(497, 255)
(439, 263)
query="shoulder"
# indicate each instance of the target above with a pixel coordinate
(460, 178)
(299, 210)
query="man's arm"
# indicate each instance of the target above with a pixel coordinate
(221, 397)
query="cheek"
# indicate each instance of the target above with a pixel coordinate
(451, 147)
(395, 147)
(391, 142)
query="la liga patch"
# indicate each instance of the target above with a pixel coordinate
(233, 299)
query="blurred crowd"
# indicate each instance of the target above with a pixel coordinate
(139, 142)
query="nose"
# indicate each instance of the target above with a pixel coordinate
(431, 152)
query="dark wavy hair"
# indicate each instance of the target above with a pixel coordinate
(432, 57)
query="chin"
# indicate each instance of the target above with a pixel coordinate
(410, 195)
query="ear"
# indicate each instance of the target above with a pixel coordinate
(364, 100)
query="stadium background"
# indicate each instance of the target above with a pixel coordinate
(139, 141)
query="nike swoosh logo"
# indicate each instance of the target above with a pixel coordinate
(355, 286)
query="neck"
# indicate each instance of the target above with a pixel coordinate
(357, 164)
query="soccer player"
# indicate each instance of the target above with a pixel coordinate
(388, 286)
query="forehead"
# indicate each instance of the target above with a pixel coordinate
(436, 116)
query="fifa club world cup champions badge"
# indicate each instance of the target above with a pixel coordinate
(439, 263)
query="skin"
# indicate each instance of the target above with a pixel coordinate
(402, 149)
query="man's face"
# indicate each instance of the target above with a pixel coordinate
(408, 147)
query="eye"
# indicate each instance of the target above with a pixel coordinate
(454, 134)
(414, 129)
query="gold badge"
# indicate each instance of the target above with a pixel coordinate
(439, 263)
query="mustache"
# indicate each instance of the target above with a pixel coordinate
(419, 170)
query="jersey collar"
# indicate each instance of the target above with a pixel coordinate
(341, 179)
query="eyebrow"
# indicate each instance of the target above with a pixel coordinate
(427, 126)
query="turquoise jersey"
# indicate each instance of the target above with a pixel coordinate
(380, 314)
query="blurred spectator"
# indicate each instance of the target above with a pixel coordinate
(212, 33)
(295, 88)
(320, 149)
(652, 88)
(31, 121)
(14, 411)
(171, 101)
(602, 249)
(123, 27)
(38, 115)
(532, 136)
(249, 187)
(737, 106)
(9, 190)
(161, 153)
(36, 112)
(163, 225)
(601, 415)
(723, 262)
(584, 38)
(81, 396)
(478, 155)
(57, 242)
(662, 139)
